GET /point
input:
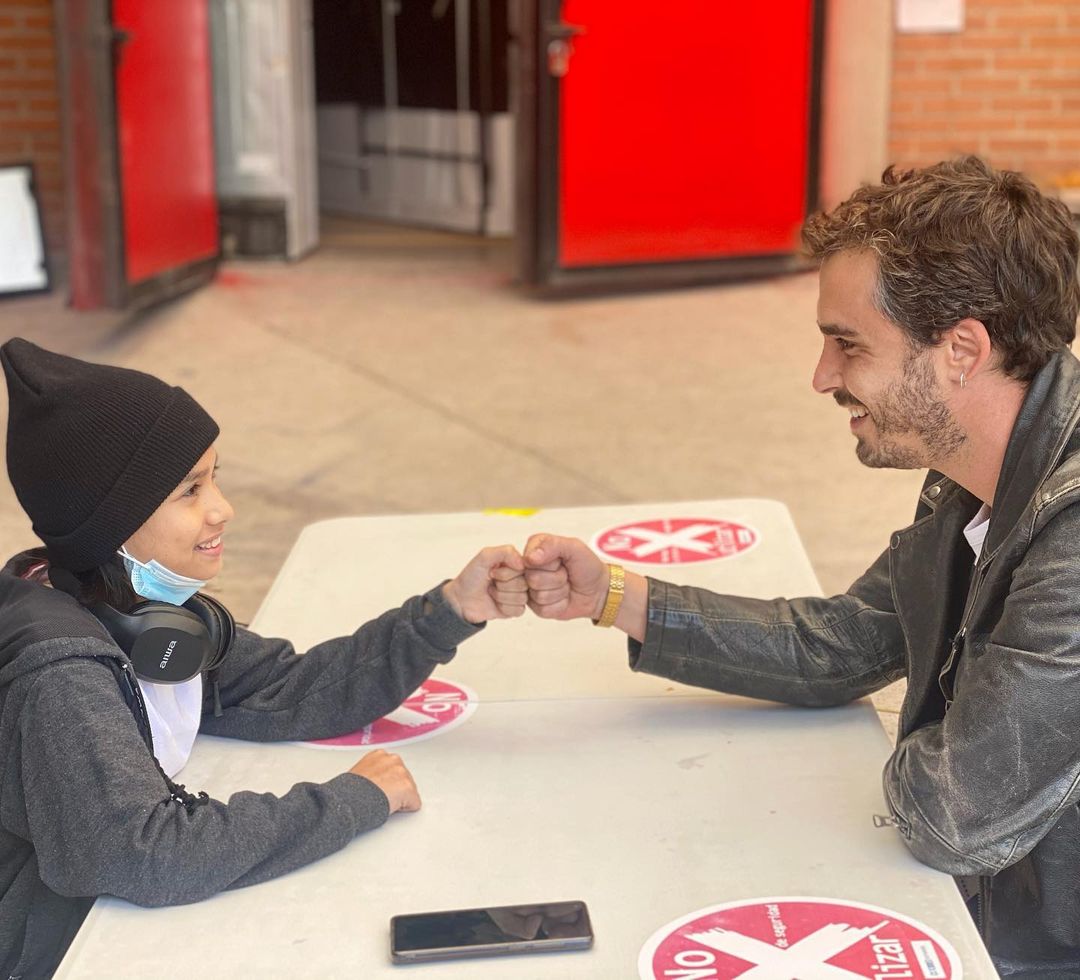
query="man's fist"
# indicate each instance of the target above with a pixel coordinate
(565, 578)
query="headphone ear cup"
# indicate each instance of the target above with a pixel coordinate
(220, 626)
(122, 628)
(166, 644)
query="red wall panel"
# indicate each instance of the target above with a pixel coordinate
(164, 110)
(683, 130)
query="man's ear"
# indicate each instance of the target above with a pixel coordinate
(967, 350)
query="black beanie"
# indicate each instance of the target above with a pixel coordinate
(92, 450)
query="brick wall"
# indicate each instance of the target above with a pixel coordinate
(1007, 87)
(30, 107)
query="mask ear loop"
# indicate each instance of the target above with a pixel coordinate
(124, 553)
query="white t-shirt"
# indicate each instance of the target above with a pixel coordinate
(976, 529)
(175, 711)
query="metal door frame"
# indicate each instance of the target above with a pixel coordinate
(534, 24)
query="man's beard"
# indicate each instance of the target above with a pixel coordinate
(910, 406)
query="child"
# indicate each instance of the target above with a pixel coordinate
(116, 469)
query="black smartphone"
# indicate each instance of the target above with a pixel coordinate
(497, 931)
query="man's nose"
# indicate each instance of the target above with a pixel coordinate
(826, 377)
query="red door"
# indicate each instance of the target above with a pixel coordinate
(673, 141)
(165, 138)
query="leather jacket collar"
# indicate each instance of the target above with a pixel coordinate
(1048, 418)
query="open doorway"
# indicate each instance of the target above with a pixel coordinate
(617, 151)
(412, 112)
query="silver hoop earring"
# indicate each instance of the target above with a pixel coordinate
(963, 380)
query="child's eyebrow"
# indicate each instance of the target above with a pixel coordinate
(199, 473)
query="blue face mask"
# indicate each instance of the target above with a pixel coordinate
(152, 580)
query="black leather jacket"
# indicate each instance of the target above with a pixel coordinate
(985, 779)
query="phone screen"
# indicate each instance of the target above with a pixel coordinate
(491, 931)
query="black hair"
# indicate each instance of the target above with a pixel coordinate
(108, 583)
(960, 239)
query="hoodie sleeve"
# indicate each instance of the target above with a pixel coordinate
(270, 692)
(101, 822)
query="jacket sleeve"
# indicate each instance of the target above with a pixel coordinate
(269, 692)
(101, 822)
(812, 652)
(976, 791)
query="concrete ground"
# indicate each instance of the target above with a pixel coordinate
(398, 371)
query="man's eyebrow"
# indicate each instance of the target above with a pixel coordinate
(835, 330)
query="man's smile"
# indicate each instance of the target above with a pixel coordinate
(856, 408)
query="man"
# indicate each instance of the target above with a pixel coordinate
(948, 301)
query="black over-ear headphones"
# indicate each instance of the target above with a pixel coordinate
(167, 644)
(170, 644)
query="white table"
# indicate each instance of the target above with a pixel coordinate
(647, 807)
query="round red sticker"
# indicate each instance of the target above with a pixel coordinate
(766, 938)
(676, 540)
(435, 707)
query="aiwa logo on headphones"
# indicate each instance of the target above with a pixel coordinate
(168, 653)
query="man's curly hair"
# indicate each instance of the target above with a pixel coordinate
(960, 239)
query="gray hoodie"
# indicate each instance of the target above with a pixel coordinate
(84, 809)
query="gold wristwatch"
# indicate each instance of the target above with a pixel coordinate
(616, 590)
